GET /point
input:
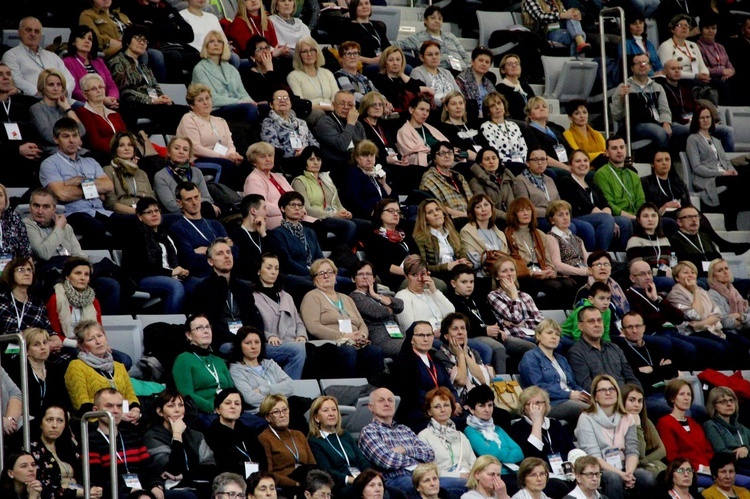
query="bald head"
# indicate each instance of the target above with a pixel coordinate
(673, 71)
(383, 405)
(640, 274)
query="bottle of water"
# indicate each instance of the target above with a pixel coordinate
(673, 260)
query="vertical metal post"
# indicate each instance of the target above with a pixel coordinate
(18, 338)
(620, 15)
(112, 452)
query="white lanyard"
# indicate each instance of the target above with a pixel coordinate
(294, 452)
(82, 172)
(424, 135)
(374, 129)
(37, 58)
(257, 245)
(212, 370)
(213, 129)
(648, 361)
(621, 182)
(657, 249)
(429, 301)
(199, 231)
(124, 457)
(669, 186)
(19, 317)
(320, 83)
(374, 33)
(7, 109)
(543, 188)
(337, 451)
(632, 288)
(585, 188)
(692, 243)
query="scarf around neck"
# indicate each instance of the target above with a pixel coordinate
(737, 304)
(105, 364)
(78, 299)
(394, 236)
(124, 169)
(182, 172)
(446, 432)
(486, 428)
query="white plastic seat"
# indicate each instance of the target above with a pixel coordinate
(568, 79)
(124, 334)
(489, 22)
(739, 119)
(175, 91)
(390, 16)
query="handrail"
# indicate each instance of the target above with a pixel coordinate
(610, 12)
(18, 337)
(113, 477)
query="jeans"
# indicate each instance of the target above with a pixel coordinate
(653, 131)
(169, 289)
(242, 113)
(290, 356)
(688, 346)
(363, 362)
(726, 135)
(499, 357)
(483, 349)
(647, 7)
(345, 230)
(566, 36)
(157, 65)
(602, 227)
(568, 410)
(107, 292)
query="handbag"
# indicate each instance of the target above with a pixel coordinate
(506, 394)
(488, 259)
(522, 269)
(144, 145)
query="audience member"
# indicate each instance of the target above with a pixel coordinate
(734, 308)
(416, 137)
(388, 245)
(437, 78)
(637, 42)
(310, 80)
(549, 16)
(725, 433)
(348, 77)
(485, 480)
(250, 236)
(130, 183)
(684, 51)
(262, 79)
(690, 243)
(490, 176)
(650, 447)
(53, 106)
(724, 474)
(543, 134)
(567, 251)
(481, 237)
(288, 27)
(516, 92)
(474, 82)
(369, 33)
(393, 82)
(422, 299)
(446, 185)
(649, 244)
(452, 54)
(453, 123)
(736, 48)
(284, 131)
(621, 186)
(107, 24)
(201, 22)
(82, 59)
(580, 134)
(340, 131)
(513, 308)
(588, 476)
(101, 123)
(375, 114)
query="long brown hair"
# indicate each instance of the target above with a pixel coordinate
(422, 229)
(652, 441)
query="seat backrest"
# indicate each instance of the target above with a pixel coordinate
(568, 79)
(306, 388)
(391, 16)
(739, 119)
(489, 22)
(124, 334)
(11, 38)
(684, 171)
(652, 31)
(148, 319)
(558, 316)
(175, 91)
(643, 169)
(51, 33)
(96, 256)
(325, 383)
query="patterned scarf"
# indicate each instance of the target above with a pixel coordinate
(299, 233)
(182, 172)
(124, 169)
(104, 364)
(394, 236)
(446, 432)
(486, 428)
(78, 299)
(537, 180)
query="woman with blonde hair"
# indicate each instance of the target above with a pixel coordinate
(516, 311)
(438, 241)
(252, 20)
(289, 28)
(334, 448)
(310, 80)
(735, 311)
(457, 128)
(608, 432)
(485, 480)
(426, 481)
(53, 106)
(393, 82)
(546, 135)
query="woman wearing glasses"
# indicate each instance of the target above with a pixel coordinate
(388, 245)
(228, 486)
(588, 475)
(348, 77)
(606, 431)
(283, 130)
(680, 480)
(310, 80)
(724, 431)
(533, 475)
(330, 315)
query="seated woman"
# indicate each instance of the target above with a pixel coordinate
(453, 454)
(289, 28)
(229, 98)
(481, 235)
(418, 364)
(388, 245)
(130, 182)
(588, 205)
(504, 136)
(712, 170)
(474, 83)
(537, 187)
(557, 24)
(178, 169)
(723, 431)
(101, 122)
(724, 474)
(107, 25)
(369, 33)
(422, 299)
(348, 77)
(567, 250)
(378, 310)
(668, 191)
(581, 135)
(393, 82)
(235, 445)
(650, 245)
(322, 199)
(19, 476)
(425, 479)
(254, 375)
(285, 333)
(95, 369)
(514, 309)
(703, 315)
(541, 437)
(637, 42)
(680, 479)
(416, 137)
(213, 147)
(177, 450)
(463, 136)
(252, 20)
(57, 458)
(533, 479)
(485, 480)
(549, 371)
(492, 178)
(440, 80)
(541, 133)
(733, 307)
(15, 239)
(522, 236)
(618, 455)
(83, 58)
(485, 436)
(53, 106)
(651, 451)
(438, 241)
(261, 485)
(334, 449)
(516, 92)
(445, 184)
(366, 183)
(715, 56)
(285, 132)
(374, 111)
(329, 315)
(453, 55)
(20, 309)
(686, 52)
(310, 80)
(286, 450)
(151, 259)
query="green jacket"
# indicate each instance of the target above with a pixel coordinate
(193, 377)
(570, 326)
(621, 187)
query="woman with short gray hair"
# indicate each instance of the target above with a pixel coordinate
(101, 122)
(228, 486)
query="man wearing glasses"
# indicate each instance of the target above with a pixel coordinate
(590, 356)
(340, 131)
(690, 244)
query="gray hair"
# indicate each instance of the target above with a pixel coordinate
(224, 479)
(84, 81)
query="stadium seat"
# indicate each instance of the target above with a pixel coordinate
(643, 169)
(51, 33)
(11, 38)
(390, 16)
(568, 79)
(148, 319)
(124, 334)
(489, 22)
(739, 119)
(325, 383)
(175, 91)
(558, 316)
(306, 388)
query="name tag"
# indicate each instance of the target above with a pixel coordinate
(556, 463)
(553, 26)
(5, 259)
(125, 406)
(562, 155)
(705, 265)
(354, 471)
(345, 326)
(325, 103)
(612, 456)
(89, 189)
(220, 148)
(455, 63)
(131, 481)
(393, 330)
(234, 326)
(250, 468)
(296, 141)
(390, 151)
(14, 133)
(517, 158)
(153, 94)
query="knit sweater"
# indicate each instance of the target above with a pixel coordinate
(322, 317)
(281, 461)
(692, 445)
(205, 134)
(224, 81)
(267, 379)
(194, 376)
(83, 381)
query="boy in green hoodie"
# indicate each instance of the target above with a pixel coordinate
(599, 297)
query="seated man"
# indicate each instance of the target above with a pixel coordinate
(340, 131)
(394, 449)
(28, 59)
(599, 297)
(192, 233)
(650, 117)
(621, 186)
(135, 468)
(250, 236)
(688, 243)
(79, 183)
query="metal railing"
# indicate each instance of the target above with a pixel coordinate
(18, 338)
(614, 13)
(113, 477)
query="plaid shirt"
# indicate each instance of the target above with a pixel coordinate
(33, 313)
(542, 18)
(521, 312)
(454, 195)
(377, 441)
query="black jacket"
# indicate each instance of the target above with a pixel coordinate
(143, 257)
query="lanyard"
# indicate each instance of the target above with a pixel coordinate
(37, 58)
(630, 196)
(124, 457)
(657, 249)
(42, 387)
(230, 303)
(374, 33)
(686, 52)
(213, 129)
(432, 371)
(671, 195)
(211, 370)
(632, 288)
(435, 313)
(19, 317)
(424, 135)
(257, 245)
(339, 304)
(208, 226)
(244, 451)
(378, 132)
(82, 172)
(647, 361)
(276, 184)
(6, 106)
(703, 252)
(337, 451)
(294, 452)
(320, 83)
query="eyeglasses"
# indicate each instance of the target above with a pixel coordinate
(363, 274)
(281, 98)
(682, 25)
(393, 211)
(444, 153)
(641, 274)
(592, 474)
(345, 103)
(351, 54)
(325, 273)
(152, 211)
(512, 64)
(24, 270)
(295, 205)
(308, 52)
(540, 474)
(725, 402)
(685, 471)
(609, 389)
(604, 265)
(423, 335)
(689, 217)
(231, 495)
(538, 160)
(377, 104)
(279, 412)
(140, 39)
(323, 495)
(265, 48)
(202, 328)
